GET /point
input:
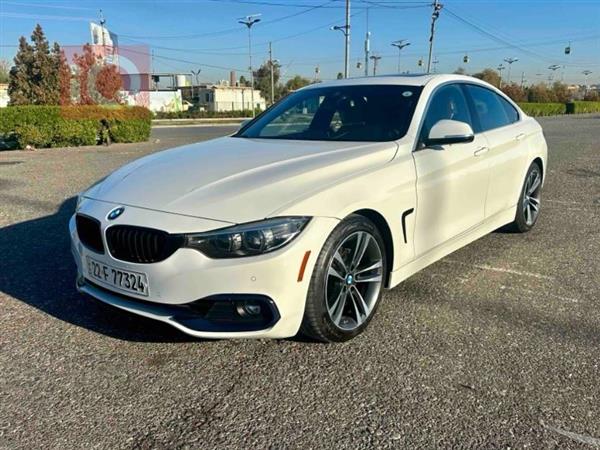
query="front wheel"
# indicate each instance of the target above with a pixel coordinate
(528, 208)
(347, 282)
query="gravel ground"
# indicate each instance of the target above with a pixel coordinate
(497, 345)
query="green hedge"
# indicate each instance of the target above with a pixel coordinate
(543, 109)
(583, 107)
(56, 126)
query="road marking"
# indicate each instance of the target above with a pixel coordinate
(584, 439)
(500, 269)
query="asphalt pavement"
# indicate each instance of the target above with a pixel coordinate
(495, 346)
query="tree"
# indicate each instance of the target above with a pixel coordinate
(561, 92)
(108, 82)
(296, 83)
(262, 80)
(539, 93)
(592, 96)
(460, 71)
(34, 77)
(19, 87)
(64, 79)
(84, 63)
(4, 71)
(244, 82)
(515, 92)
(490, 76)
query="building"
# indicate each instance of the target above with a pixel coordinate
(4, 95)
(224, 97)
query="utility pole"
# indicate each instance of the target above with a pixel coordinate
(345, 29)
(437, 7)
(367, 46)
(400, 45)
(522, 79)
(375, 59)
(510, 62)
(347, 51)
(249, 21)
(272, 74)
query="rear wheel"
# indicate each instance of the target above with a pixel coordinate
(347, 282)
(528, 208)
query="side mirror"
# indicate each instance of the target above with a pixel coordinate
(450, 132)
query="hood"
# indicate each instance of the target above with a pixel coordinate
(237, 179)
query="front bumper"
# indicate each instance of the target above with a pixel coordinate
(188, 276)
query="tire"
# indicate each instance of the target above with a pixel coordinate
(339, 306)
(528, 207)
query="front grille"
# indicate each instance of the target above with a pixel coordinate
(141, 245)
(88, 230)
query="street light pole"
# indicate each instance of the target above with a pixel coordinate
(500, 69)
(437, 7)
(347, 49)
(249, 21)
(510, 62)
(345, 29)
(585, 74)
(400, 45)
(272, 74)
(375, 59)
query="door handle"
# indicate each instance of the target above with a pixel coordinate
(519, 136)
(481, 150)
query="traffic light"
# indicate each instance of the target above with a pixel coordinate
(466, 59)
(420, 63)
(568, 49)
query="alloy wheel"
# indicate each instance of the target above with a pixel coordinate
(531, 197)
(354, 280)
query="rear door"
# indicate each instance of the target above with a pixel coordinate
(500, 123)
(452, 180)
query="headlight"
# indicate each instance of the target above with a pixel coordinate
(248, 239)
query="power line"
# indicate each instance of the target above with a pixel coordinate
(498, 39)
(228, 30)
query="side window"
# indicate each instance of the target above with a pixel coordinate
(488, 107)
(511, 112)
(448, 102)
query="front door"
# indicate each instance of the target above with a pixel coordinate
(452, 180)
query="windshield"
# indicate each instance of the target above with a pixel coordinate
(338, 113)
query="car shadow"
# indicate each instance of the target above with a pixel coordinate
(37, 268)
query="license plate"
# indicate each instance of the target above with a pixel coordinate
(124, 280)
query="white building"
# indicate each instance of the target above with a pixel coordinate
(223, 97)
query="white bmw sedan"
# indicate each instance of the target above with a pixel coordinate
(298, 221)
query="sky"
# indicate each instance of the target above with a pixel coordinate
(189, 35)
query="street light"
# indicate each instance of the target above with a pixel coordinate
(553, 68)
(249, 21)
(585, 74)
(375, 59)
(400, 45)
(345, 29)
(510, 62)
(500, 68)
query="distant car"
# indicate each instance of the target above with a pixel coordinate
(298, 221)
